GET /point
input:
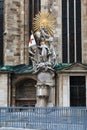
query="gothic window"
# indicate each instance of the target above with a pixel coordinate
(1, 32)
(78, 30)
(71, 31)
(64, 31)
(34, 8)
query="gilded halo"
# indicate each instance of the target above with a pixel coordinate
(44, 20)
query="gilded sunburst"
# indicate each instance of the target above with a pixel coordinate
(44, 20)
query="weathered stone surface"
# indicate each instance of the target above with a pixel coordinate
(46, 78)
(16, 34)
(3, 90)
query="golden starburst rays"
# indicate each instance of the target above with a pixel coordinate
(44, 20)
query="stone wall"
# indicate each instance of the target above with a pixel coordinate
(15, 32)
(3, 90)
(16, 29)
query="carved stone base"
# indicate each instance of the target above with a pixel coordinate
(45, 90)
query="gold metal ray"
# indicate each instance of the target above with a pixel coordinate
(44, 20)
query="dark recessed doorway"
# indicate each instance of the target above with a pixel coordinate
(77, 91)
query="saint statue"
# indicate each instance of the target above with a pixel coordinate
(43, 31)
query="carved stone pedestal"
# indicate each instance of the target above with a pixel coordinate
(45, 90)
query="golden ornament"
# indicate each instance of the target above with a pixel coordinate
(44, 20)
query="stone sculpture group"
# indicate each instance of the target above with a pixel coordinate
(43, 54)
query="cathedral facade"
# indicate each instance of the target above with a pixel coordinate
(17, 80)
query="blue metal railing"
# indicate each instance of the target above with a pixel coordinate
(54, 118)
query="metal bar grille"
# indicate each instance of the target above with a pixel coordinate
(54, 118)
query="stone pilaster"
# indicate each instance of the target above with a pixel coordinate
(3, 89)
(60, 90)
(84, 30)
(26, 30)
(66, 91)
